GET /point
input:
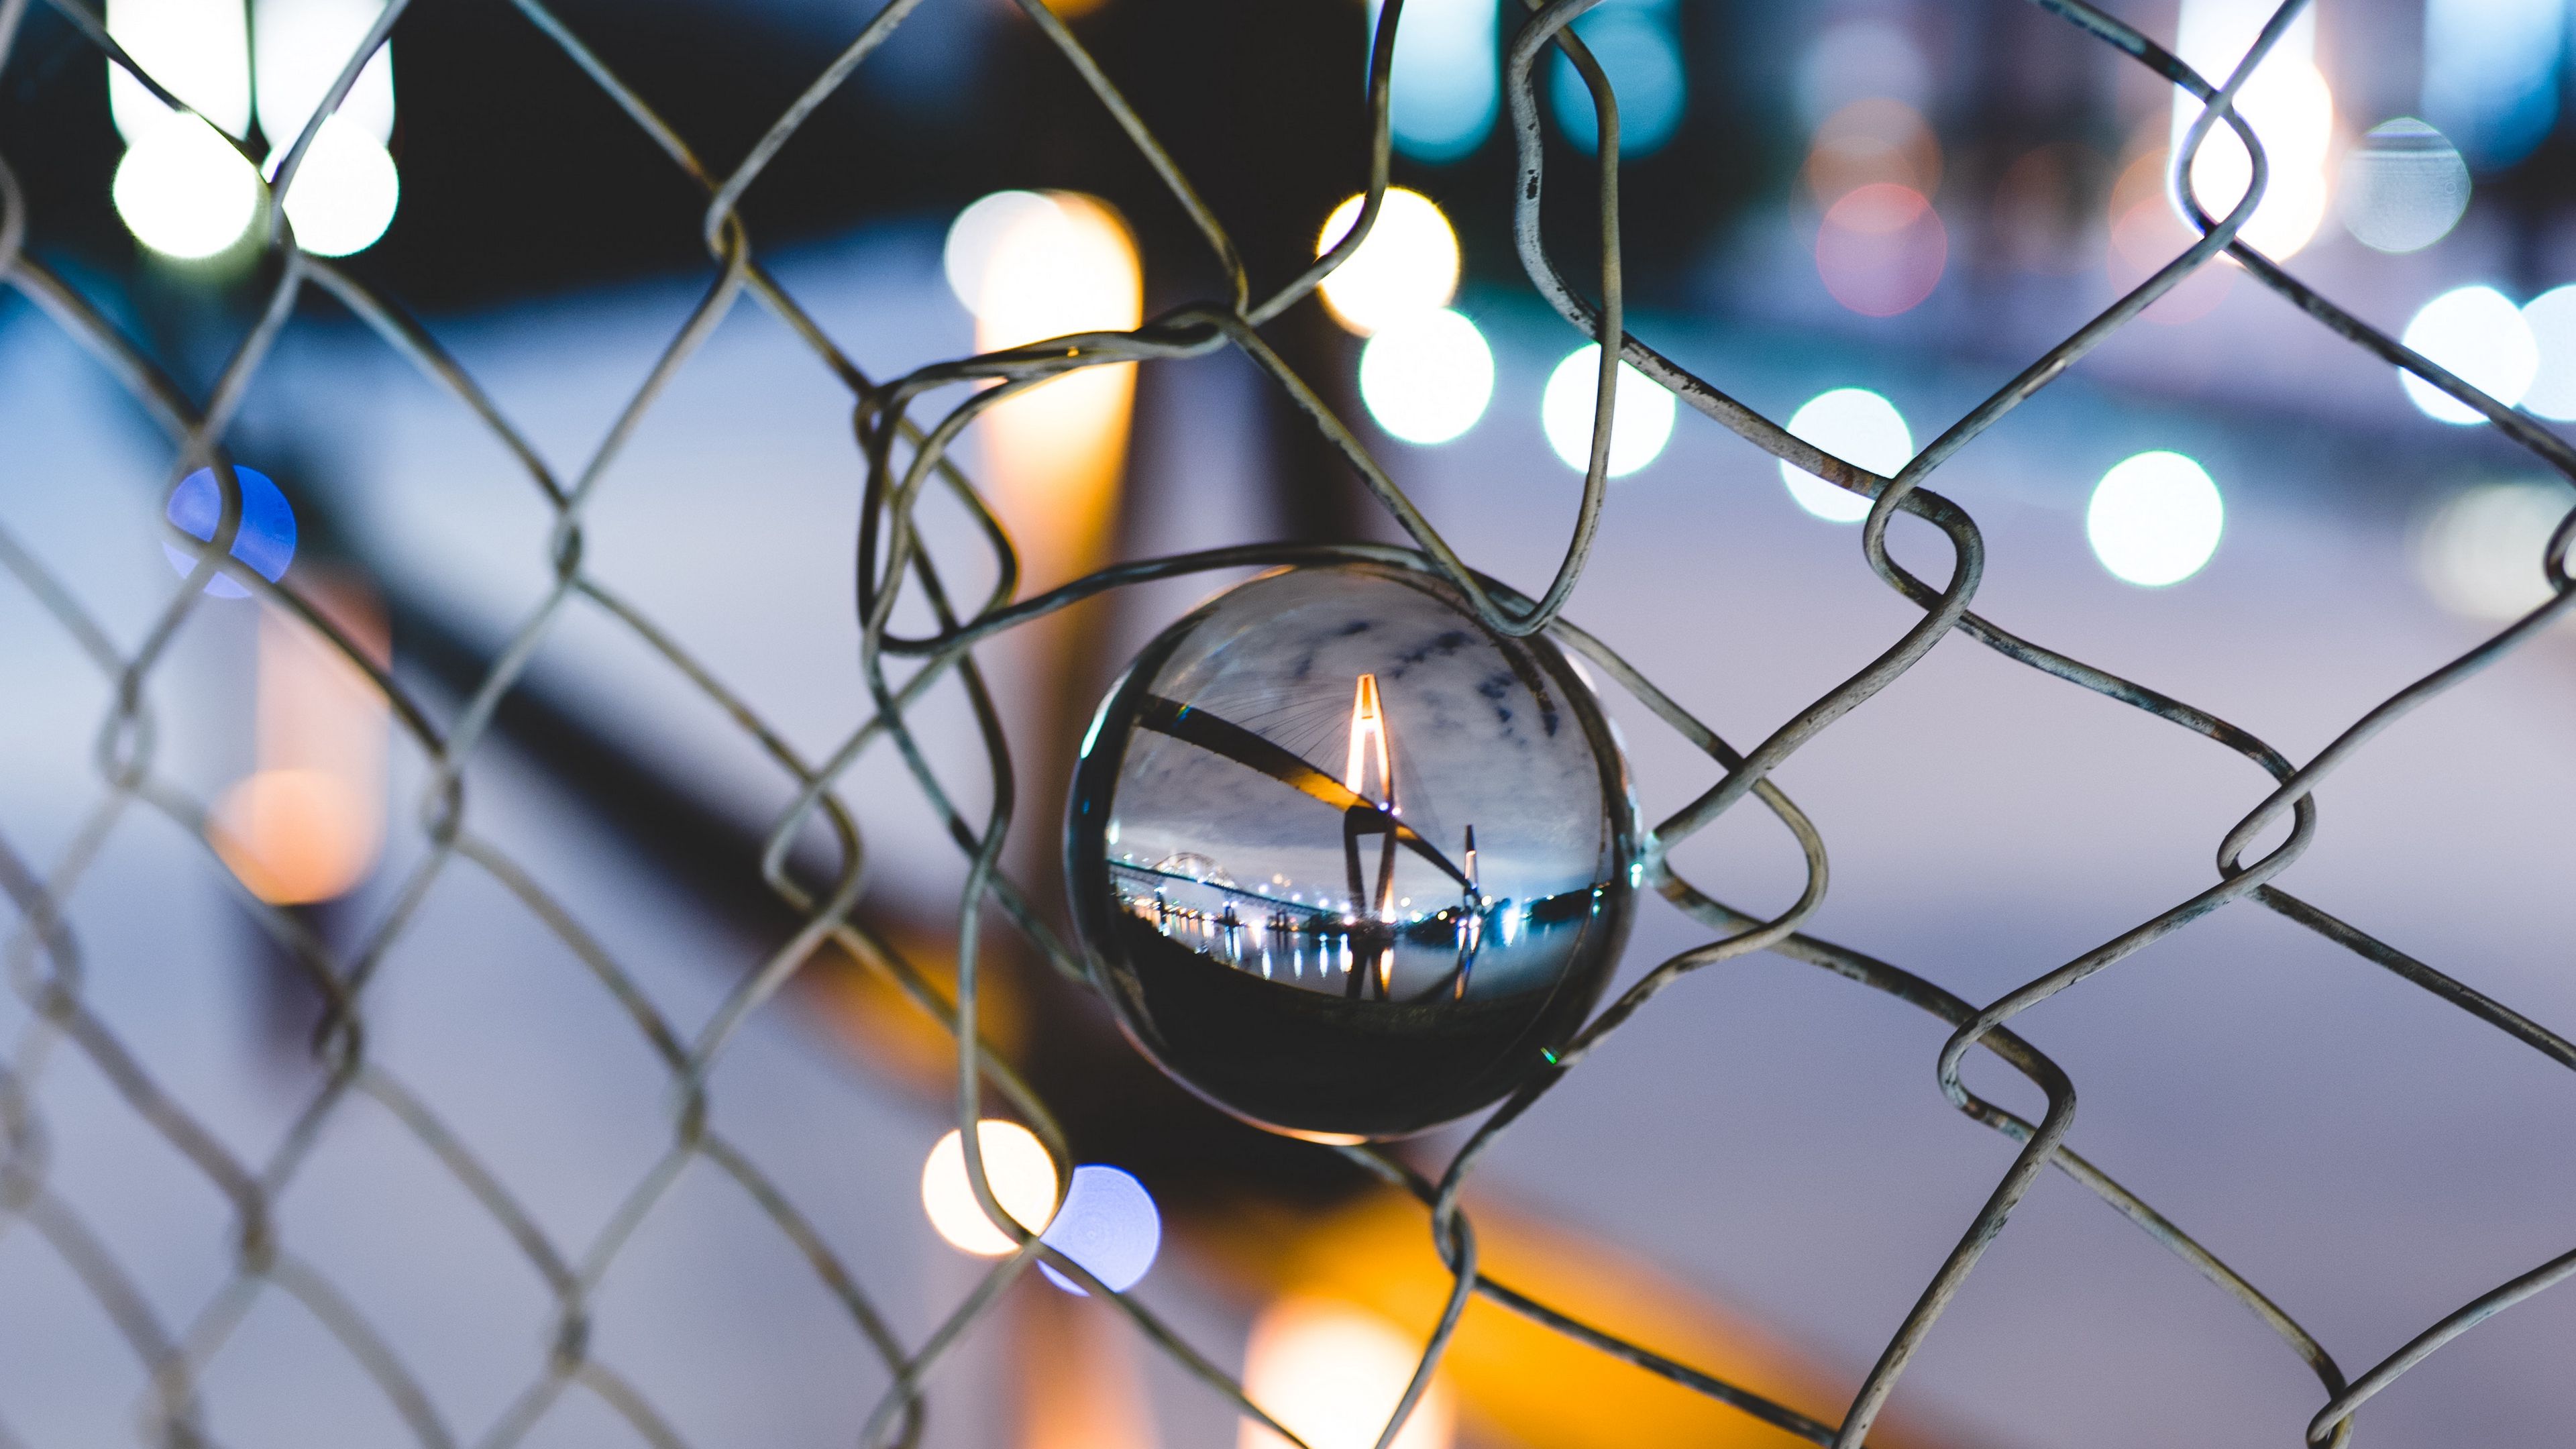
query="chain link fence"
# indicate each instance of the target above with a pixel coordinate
(902, 457)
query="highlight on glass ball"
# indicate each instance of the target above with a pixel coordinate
(1347, 863)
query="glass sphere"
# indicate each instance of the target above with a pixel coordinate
(1347, 863)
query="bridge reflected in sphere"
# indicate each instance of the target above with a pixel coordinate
(1349, 864)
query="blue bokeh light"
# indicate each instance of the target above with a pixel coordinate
(265, 540)
(1109, 1225)
(2491, 74)
(1638, 44)
(1446, 87)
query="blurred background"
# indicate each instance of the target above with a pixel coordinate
(1858, 216)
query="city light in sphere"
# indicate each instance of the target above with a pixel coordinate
(1640, 426)
(184, 191)
(2551, 316)
(1109, 1225)
(1017, 1166)
(2155, 519)
(2481, 337)
(1333, 1372)
(1857, 426)
(1427, 378)
(265, 539)
(1408, 264)
(345, 192)
(2479, 554)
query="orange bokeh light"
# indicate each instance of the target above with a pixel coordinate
(296, 836)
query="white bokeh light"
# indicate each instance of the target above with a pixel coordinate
(1332, 1372)
(977, 231)
(1857, 426)
(2551, 316)
(2404, 187)
(345, 191)
(2479, 554)
(1409, 263)
(184, 191)
(2481, 337)
(198, 49)
(1640, 426)
(2155, 519)
(1017, 1166)
(1109, 1225)
(2288, 105)
(301, 46)
(1427, 378)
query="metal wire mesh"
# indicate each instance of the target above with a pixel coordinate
(902, 460)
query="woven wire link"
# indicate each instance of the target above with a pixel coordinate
(903, 457)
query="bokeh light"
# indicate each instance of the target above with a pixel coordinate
(1881, 249)
(199, 51)
(1638, 46)
(2290, 108)
(1874, 139)
(1019, 1170)
(1427, 378)
(1446, 87)
(1031, 266)
(300, 46)
(2481, 337)
(2155, 519)
(2551, 316)
(1333, 1372)
(1408, 264)
(184, 191)
(2404, 187)
(265, 540)
(345, 192)
(2491, 73)
(1109, 1225)
(308, 822)
(1062, 266)
(1858, 426)
(2479, 553)
(295, 836)
(1640, 425)
(978, 229)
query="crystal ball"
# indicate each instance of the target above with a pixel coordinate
(1345, 862)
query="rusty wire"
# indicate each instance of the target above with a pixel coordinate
(902, 458)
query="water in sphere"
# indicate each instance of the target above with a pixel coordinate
(1347, 863)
